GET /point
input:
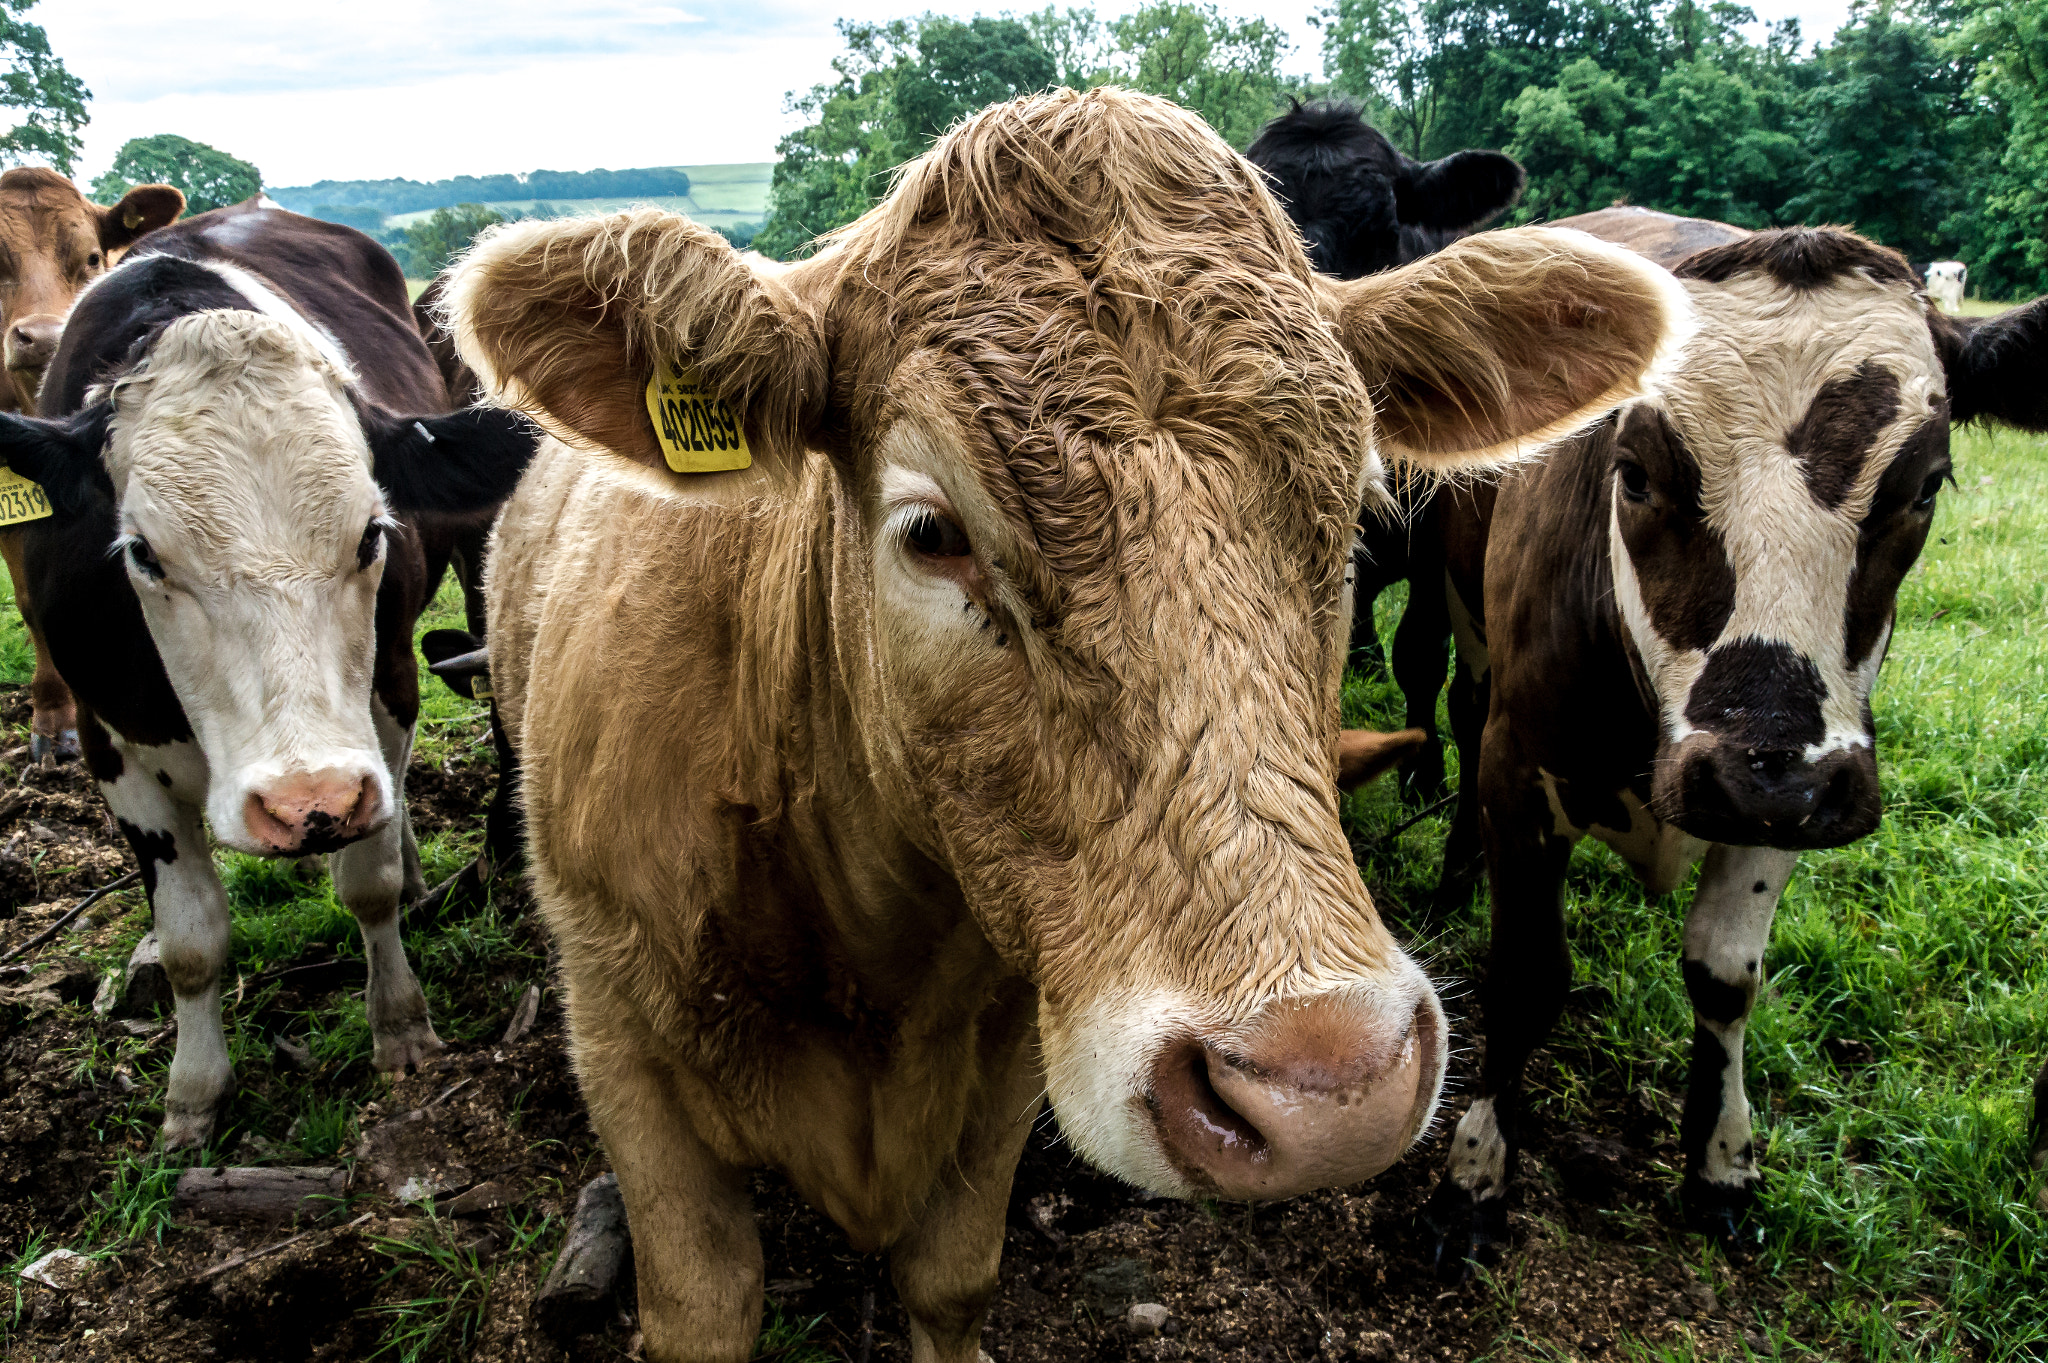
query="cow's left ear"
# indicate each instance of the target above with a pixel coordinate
(455, 464)
(62, 454)
(1997, 366)
(1501, 344)
(141, 211)
(1462, 190)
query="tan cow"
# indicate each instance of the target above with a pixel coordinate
(53, 242)
(978, 742)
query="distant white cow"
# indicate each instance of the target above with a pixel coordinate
(1945, 281)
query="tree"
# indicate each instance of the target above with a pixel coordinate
(1881, 136)
(432, 242)
(210, 177)
(363, 219)
(1710, 148)
(51, 99)
(1227, 70)
(2004, 232)
(961, 67)
(1377, 53)
(1572, 139)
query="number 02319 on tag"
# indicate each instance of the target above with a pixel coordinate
(20, 499)
(700, 432)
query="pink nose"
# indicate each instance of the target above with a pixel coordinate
(1323, 1093)
(313, 811)
(32, 342)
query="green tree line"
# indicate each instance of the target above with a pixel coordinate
(1925, 126)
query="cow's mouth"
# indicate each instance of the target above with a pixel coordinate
(1744, 795)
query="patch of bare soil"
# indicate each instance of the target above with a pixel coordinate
(453, 1205)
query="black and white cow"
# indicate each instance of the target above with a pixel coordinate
(1363, 207)
(240, 419)
(1674, 624)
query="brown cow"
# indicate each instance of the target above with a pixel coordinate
(53, 242)
(1674, 625)
(977, 743)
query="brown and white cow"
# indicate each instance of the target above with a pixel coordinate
(53, 242)
(977, 742)
(1679, 618)
(239, 414)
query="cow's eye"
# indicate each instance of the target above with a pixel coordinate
(92, 262)
(1928, 489)
(144, 559)
(936, 536)
(1635, 480)
(372, 541)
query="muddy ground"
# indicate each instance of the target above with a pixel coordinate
(1599, 1269)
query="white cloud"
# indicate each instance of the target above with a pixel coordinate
(373, 88)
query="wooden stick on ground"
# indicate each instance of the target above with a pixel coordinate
(62, 923)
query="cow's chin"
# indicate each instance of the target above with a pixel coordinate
(1725, 790)
(1319, 1091)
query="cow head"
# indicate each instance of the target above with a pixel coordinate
(1092, 437)
(1764, 508)
(249, 492)
(1361, 205)
(53, 242)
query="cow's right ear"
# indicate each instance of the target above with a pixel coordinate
(141, 211)
(1462, 190)
(1504, 343)
(567, 321)
(1997, 367)
(62, 454)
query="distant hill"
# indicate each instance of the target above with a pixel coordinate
(715, 195)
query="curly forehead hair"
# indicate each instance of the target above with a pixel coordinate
(1129, 321)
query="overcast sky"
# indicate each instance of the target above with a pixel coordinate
(365, 89)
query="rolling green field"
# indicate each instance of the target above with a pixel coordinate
(720, 196)
(1905, 1179)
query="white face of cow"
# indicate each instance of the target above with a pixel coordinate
(253, 534)
(1763, 510)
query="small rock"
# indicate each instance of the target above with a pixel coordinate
(291, 1054)
(1703, 1299)
(485, 1197)
(1147, 1318)
(523, 1015)
(146, 990)
(108, 994)
(1375, 1346)
(1593, 1344)
(39, 832)
(61, 1270)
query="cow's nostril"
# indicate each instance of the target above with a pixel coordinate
(1200, 1123)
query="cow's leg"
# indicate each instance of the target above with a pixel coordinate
(466, 556)
(370, 877)
(1419, 654)
(945, 1270)
(696, 1252)
(1470, 697)
(155, 794)
(53, 722)
(1725, 935)
(2038, 1154)
(1528, 976)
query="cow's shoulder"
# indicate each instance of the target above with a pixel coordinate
(1664, 237)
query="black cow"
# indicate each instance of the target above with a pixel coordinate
(1364, 207)
(241, 419)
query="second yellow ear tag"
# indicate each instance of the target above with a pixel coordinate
(700, 432)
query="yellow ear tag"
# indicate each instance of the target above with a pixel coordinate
(700, 432)
(131, 219)
(20, 499)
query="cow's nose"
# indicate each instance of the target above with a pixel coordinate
(313, 811)
(1325, 1092)
(32, 342)
(1733, 792)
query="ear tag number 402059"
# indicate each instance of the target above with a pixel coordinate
(700, 432)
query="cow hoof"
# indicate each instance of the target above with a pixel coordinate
(1721, 1210)
(50, 751)
(411, 1047)
(187, 1130)
(1465, 1227)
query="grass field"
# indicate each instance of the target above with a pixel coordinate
(720, 196)
(1907, 1177)
(1904, 1179)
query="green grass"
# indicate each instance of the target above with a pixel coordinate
(1905, 1182)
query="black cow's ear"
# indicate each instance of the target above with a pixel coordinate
(455, 464)
(1462, 190)
(62, 454)
(1997, 366)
